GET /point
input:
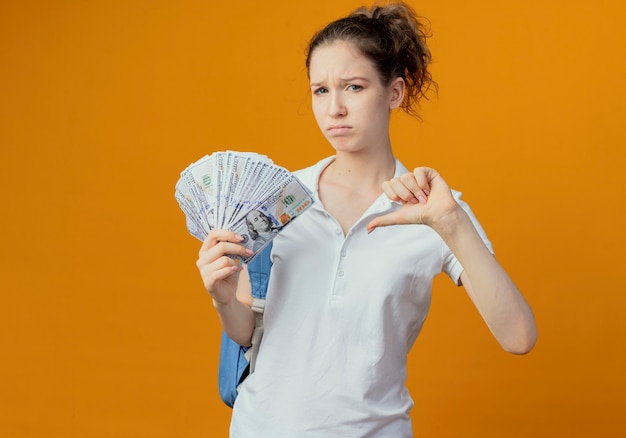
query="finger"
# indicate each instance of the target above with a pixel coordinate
(396, 190)
(218, 235)
(418, 184)
(424, 177)
(221, 249)
(411, 190)
(220, 269)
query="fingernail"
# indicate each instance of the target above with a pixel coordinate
(422, 199)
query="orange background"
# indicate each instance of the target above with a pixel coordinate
(105, 328)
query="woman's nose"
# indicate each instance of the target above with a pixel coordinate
(337, 106)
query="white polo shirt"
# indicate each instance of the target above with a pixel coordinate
(342, 313)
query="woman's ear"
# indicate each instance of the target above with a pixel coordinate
(396, 88)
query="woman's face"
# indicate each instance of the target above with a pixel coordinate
(258, 221)
(351, 105)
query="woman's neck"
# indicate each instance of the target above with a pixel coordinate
(362, 170)
(352, 182)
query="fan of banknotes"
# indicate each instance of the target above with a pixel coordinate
(241, 191)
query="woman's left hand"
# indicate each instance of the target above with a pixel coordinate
(425, 196)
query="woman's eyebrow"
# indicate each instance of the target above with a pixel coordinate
(343, 80)
(355, 78)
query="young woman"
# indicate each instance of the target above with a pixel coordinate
(351, 279)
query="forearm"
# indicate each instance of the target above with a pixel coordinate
(237, 320)
(497, 298)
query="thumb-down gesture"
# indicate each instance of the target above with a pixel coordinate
(425, 196)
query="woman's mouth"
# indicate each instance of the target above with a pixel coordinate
(339, 129)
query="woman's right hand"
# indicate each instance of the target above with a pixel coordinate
(219, 272)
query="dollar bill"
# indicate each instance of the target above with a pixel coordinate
(241, 191)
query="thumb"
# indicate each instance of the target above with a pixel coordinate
(392, 218)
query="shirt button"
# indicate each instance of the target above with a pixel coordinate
(338, 232)
(340, 274)
(343, 253)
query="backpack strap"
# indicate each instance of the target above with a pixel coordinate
(237, 362)
(259, 272)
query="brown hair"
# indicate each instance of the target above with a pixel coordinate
(393, 38)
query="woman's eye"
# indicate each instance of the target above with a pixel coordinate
(321, 90)
(354, 87)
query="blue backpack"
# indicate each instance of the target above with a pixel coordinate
(237, 362)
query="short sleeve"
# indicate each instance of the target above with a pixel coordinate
(451, 265)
